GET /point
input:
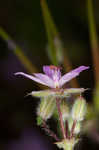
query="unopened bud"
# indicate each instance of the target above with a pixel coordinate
(79, 109)
(46, 107)
(64, 110)
(77, 126)
(67, 144)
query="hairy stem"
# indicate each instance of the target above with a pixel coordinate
(51, 133)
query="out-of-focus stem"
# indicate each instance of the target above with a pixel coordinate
(18, 52)
(95, 50)
(53, 33)
(60, 117)
(93, 39)
(50, 30)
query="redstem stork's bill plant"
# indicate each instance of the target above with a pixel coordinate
(55, 98)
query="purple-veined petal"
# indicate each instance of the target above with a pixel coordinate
(45, 79)
(72, 74)
(57, 75)
(52, 72)
(31, 77)
(48, 71)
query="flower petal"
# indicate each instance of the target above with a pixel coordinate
(72, 74)
(31, 77)
(52, 71)
(48, 71)
(48, 81)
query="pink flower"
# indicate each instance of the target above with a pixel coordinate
(52, 77)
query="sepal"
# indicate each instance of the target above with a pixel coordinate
(64, 110)
(61, 93)
(79, 109)
(46, 107)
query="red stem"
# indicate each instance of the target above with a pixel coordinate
(66, 129)
(72, 130)
(51, 133)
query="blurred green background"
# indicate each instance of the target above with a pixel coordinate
(23, 22)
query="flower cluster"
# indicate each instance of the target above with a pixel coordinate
(70, 120)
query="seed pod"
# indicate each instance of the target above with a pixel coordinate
(67, 144)
(77, 127)
(46, 107)
(64, 110)
(79, 109)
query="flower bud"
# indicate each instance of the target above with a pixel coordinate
(79, 109)
(64, 110)
(46, 107)
(67, 144)
(77, 127)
